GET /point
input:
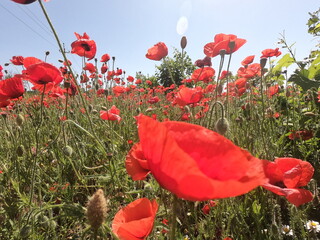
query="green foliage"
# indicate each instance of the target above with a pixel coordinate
(314, 23)
(285, 61)
(174, 70)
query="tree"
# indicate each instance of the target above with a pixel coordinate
(174, 70)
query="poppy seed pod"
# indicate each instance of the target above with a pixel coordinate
(232, 45)
(20, 150)
(222, 126)
(222, 52)
(183, 42)
(67, 150)
(263, 62)
(20, 119)
(97, 209)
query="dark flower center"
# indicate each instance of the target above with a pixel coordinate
(85, 46)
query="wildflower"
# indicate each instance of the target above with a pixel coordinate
(105, 58)
(313, 226)
(135, 221)
(157, 52)
(302, 134)
(203, 74)
(112, 114)
(270, 53)
(40, 73)
(286, 230)
(84, 46)
(11, 88)
(247, 60)
(291, 173)
(136, 164)
(195, 163)
(17, 60)
(97, 209)
(187, 96)
(228, 42)
(27, 1)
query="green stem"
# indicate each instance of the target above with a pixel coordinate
(34, 165)
(173, 224)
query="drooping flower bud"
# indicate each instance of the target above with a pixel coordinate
(222, 126)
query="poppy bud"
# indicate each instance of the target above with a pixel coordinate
(183, 42)
(25, 231)
(20, 119)
(309, 114)
(113, 58)
(263, 62)
(43, 221)
(97, 209)
(47, 53)
(20, 150)
(6, 64)
(222, 126)
(94, 111)
(67, 150)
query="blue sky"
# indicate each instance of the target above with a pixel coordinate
(127, 28)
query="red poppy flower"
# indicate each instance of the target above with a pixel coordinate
(241, 83)
(250, 71)
(224, 74)
(118, 72)
(136, 164)
(112, 114)
(157, 52)
(207, 207)
(138, 81)
(17, 60)
(38, 72)
(273, 90)
(303, 134)
(104, 68)
(11, 88)
(187, 96)
(286, 176)
(105, 58)
(270, 53)
(84, 46)
(27, 1)
(196, 163)
(130, 79)
(135, 221)
(153, 100)
(203, 74)
(223, 42)
(203, 62)
(247, 60)
(90, 67)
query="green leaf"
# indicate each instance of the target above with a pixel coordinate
(314, 68)
(285, 61)
(301, 79)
